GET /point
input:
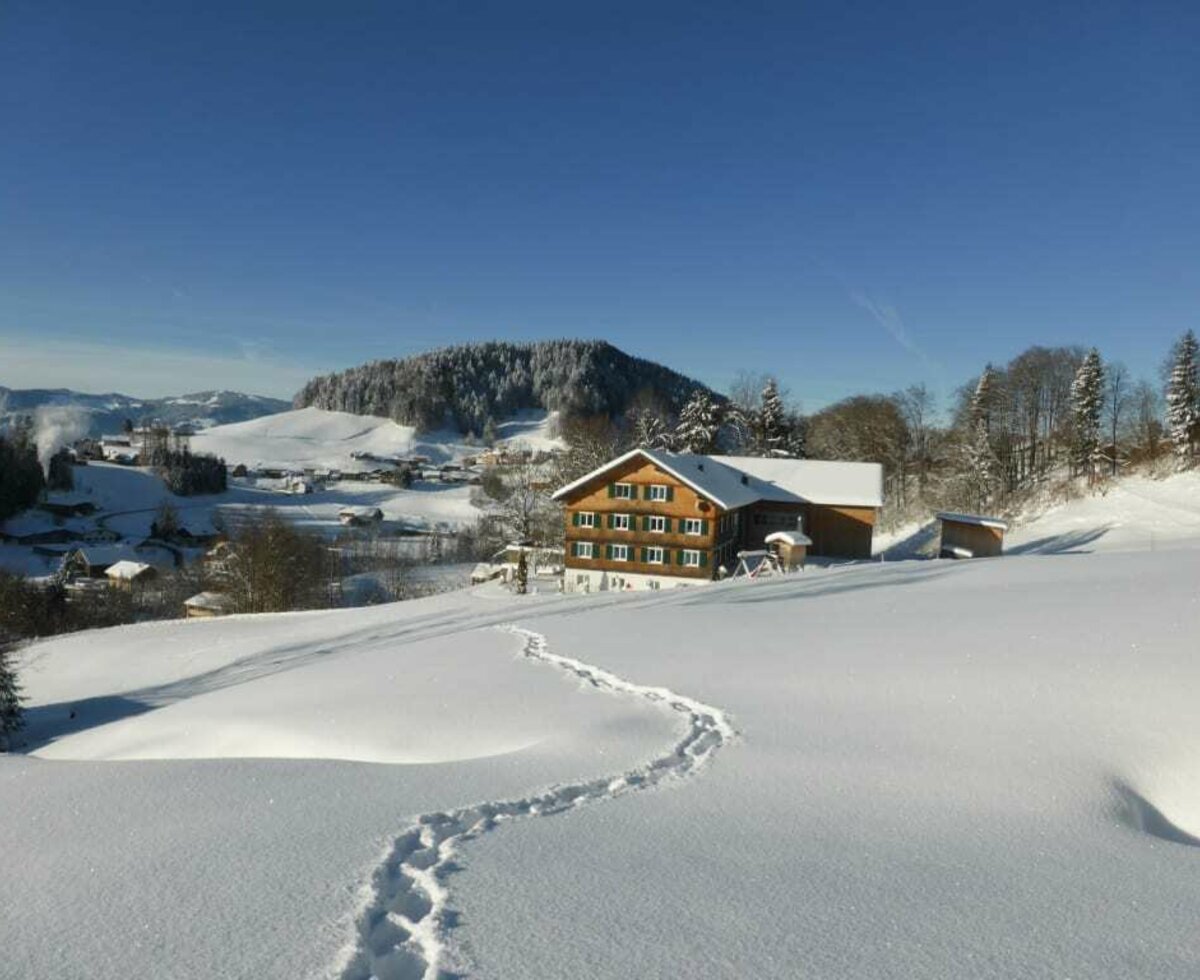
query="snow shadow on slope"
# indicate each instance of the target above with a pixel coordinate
(1138, 813)
(45, 723)
(1071, 543)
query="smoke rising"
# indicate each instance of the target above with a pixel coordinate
(56, 426)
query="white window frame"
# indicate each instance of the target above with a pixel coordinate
(620, 552)
(618, 518)
(651, 560)
(658, 491)
(585, 549)
(691, 558)
(698, 522)
(587, 518)
(660, 521)
(627, 487)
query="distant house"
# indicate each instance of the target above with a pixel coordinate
(99, 535)
(130, 575)
(651, 519)
(971, 536)
(206, 605)
(360, 516)
(93, 561)
(789, 547)
(68, 508)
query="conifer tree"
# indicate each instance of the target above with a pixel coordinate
(982, 463)
(772, 421)
(11, 720)
(1183, 396)
(699, 423)
(1087, 400)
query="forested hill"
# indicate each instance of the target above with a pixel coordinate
(470, 384)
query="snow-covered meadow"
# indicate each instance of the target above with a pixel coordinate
(899, 769)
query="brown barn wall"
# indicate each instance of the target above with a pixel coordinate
(983, 542)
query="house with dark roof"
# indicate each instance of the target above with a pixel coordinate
(651, 519)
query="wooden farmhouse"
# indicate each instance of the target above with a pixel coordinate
(651, 519)
(971, 536)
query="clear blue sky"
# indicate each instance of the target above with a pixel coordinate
(852, 196)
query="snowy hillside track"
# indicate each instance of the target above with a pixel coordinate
(405, 932)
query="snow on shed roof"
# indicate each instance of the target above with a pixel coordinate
(818, 481)
(708, 475)
(976, 519)
(790, 537)
(210, 600)
(128, 570)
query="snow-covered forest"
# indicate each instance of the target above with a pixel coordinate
(474, 386)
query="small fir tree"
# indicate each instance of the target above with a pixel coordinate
(521, 578)
(1087, 400)
(772, 421)
(981, 462)
(1183, 397)
(11, 717)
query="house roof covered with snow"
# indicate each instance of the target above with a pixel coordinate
(735, 481)
(977, 519)
(127, 571)
(216, 601)
(818, 481)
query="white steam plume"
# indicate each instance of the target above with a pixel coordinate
(56, 426)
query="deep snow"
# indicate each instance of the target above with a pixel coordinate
(944, 769)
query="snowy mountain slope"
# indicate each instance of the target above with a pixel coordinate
(313, 437)
(107, 412)
(943, 769)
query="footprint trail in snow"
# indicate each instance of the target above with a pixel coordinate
(404, 933)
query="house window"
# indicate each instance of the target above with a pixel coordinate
(585, 549)
(658, 491)
(620, 522)
(619, 552)
(656, 524)
(691, 558)
(653, 556)
(693, 525)
(623, 491)
(586, 519)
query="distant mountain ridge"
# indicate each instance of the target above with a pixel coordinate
(108, 411)
(470, 384)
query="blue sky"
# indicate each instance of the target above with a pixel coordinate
(852, 196)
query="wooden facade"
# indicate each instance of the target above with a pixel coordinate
(636, 524)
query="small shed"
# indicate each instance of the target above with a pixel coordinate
(971, 536)
(789, 547)
(206, 605)
(360, 516)
(128, 575)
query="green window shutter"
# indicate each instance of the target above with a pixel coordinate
(667, 525)
(670, 494)
(679, 557)
(704, 559)
(704, 526)
(610, 521)
(575, 518)
(608, 551)
(612, 489)
(645, 557)
(574, 549)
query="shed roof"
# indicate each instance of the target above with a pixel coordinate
(789, 537)
(977, 519)
(128, 570)
(217, 601)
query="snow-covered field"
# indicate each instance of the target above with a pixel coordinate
(312, 437)
(901, 769)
